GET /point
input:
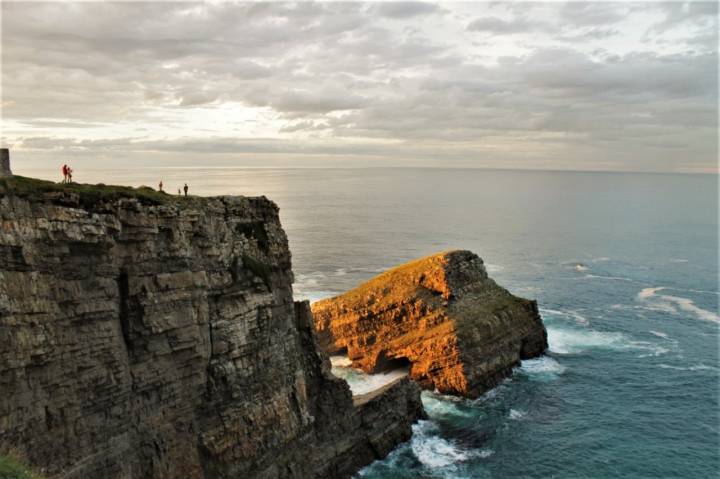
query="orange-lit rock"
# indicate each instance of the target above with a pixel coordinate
(460, 332)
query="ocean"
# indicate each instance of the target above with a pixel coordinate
(624, 267)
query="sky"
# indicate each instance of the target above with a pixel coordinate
(563, 86)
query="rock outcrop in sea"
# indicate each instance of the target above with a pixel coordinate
(459, 332)
(149, 336)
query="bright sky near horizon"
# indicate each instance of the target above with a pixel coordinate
(579, 86)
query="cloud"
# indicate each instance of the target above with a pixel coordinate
(499, 26)
(405, 9)
(593, 13)
(534, 84)
(588, 34)
(695, 13)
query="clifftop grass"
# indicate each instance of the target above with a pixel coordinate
(11, 469)
(87, 195)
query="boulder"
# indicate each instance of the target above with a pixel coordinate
(457, 329)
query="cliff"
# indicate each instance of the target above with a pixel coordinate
(150, 336)
(460, 332)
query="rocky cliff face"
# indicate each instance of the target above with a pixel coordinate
(460, 332)
(149, 337)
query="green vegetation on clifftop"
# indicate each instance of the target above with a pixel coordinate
(87, 195)
(11, 469)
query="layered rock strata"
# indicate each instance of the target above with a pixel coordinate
(149, 337)
(457, 329)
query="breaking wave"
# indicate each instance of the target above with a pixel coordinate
(435, 452)
(543, 367)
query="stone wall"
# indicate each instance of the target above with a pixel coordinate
(161, 340)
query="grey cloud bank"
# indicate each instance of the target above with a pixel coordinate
(584, 86)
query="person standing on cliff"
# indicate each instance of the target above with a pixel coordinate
(65, 173)
(185, 188)
(160, 186)
(69, 175)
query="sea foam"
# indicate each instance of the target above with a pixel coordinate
(674, 304)
(435, 452)
(574, 315)
(439, 405)
(542, 367)
(572, 341)
(361, 383)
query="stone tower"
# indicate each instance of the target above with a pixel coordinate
(5, 162)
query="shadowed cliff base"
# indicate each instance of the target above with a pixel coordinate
(459, 332)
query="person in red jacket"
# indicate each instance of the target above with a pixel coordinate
(65, 173)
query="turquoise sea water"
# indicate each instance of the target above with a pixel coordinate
(625, 270)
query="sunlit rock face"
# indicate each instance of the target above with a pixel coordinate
(144, 336)
(457, 329)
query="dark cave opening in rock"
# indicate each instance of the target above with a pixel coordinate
(385, 363)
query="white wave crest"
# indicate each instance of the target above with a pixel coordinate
(435, 452)
(567, 341)
(544, 366)
(674, 304)
(516, 414)
(574, 341)
(440, 405)
(659, 334)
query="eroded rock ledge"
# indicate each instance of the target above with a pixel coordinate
(459, 331)
(148, 336)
